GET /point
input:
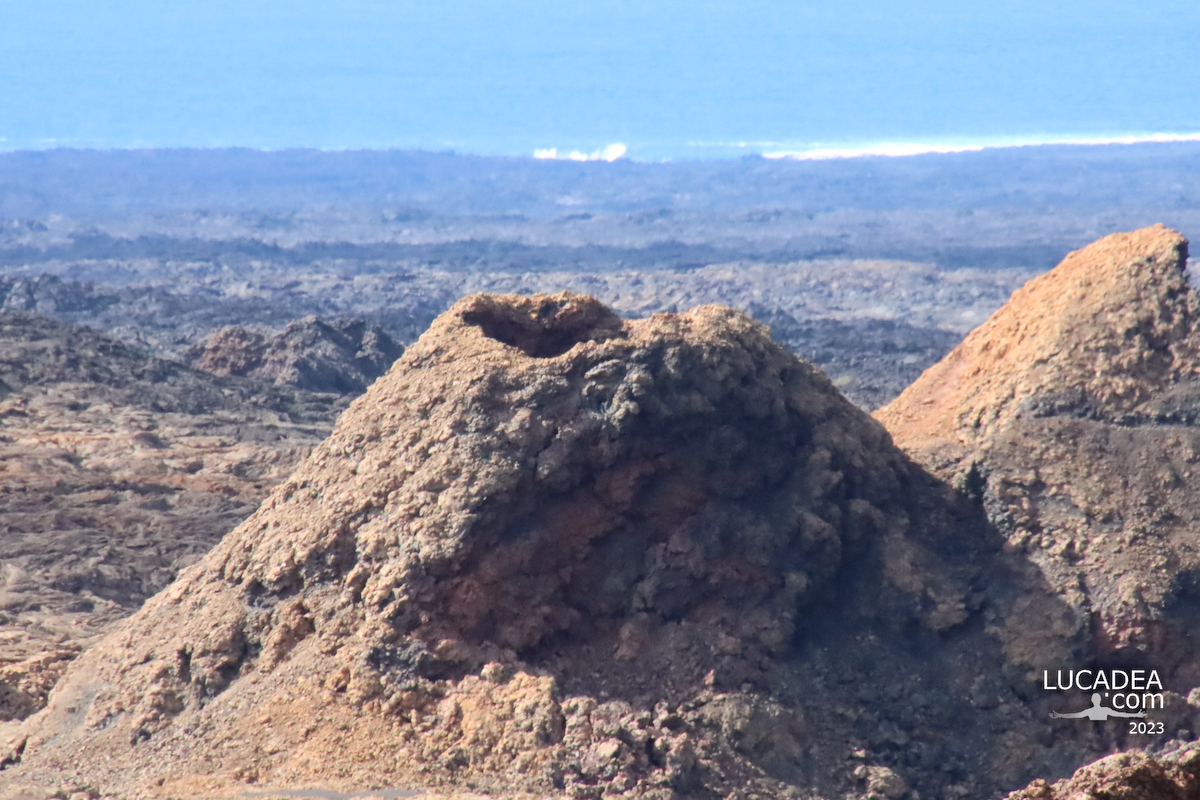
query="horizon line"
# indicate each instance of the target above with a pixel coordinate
(616, 152)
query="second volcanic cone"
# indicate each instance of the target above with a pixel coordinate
(540, 508)
(1101, 336)
(1072, 414)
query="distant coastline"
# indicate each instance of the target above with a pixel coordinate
(897, 149)
(1159, 172)
(650, 153)
(820, 151)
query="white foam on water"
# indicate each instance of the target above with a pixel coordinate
(900, 149)
(607, 153)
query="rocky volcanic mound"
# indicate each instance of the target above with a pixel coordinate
(343, 356)
(1072, 415)
(559, 552)
(116, 470)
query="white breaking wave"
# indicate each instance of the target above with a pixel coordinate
(608, 153)
(917, 149)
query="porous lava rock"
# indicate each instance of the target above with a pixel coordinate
(1072, 415)
(341, 356)
(1127, 776)
(558, 552)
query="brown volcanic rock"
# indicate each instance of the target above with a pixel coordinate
(1126, 776)
(342, 356)
(1072, 415)
(232, 350)
(559, 552)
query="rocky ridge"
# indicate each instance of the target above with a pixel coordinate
(872, 325)
(343, 356)
(1101, 336)
(559, 552)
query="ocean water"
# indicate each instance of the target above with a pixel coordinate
(646, 80)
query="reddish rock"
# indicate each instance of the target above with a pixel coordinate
(117, 470)
(1126, 776)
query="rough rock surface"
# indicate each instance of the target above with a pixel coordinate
(1126, 776)
(117, 470)
(1101, 336)
(559, 552)
(343, 356)
(873, 326)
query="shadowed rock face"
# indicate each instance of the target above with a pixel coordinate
(343, 356)
(553, 550)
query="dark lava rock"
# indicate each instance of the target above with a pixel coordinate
(870, 360)
(343, 356)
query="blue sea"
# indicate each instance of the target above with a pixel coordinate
(644, 80)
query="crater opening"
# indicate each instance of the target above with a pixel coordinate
(543, 326)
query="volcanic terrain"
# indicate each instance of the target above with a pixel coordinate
(560, 553)
(118, 469)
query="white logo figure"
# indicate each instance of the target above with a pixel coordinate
(1097, 712)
